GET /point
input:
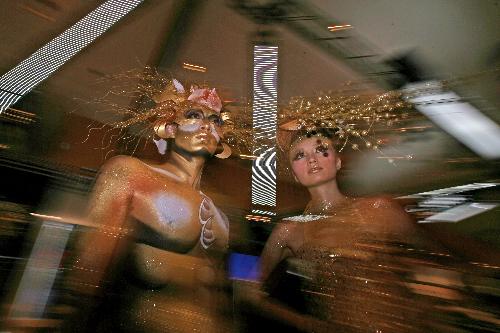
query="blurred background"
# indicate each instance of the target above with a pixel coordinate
(49, 155)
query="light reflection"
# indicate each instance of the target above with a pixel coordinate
(195, 68)
(258, 218)
(339, 27)
(37, 13)
(457, 117)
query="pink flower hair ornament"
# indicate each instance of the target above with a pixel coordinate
(174, 97)
(170, 103)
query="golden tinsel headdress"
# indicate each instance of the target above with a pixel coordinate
(153, 101)
(349, 119)
(170, 101)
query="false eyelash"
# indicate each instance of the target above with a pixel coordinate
(298, 156)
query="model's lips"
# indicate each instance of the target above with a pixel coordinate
(202, 136)
(315, 169)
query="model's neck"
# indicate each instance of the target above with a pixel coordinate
(187, 167)
(326, 193)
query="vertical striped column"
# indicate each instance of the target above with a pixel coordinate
(40, 65)
(265, 109)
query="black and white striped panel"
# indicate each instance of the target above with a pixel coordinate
(40, 65)
(264, 178)
(265, 108)
(263, 212)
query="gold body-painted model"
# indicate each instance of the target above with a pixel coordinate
(168, 236)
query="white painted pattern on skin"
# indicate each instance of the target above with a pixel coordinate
(207, 212)
(171, 210)
(214, 132)
(190, 127)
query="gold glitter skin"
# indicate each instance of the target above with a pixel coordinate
(348, 262)
(171, 258)
(197, 135)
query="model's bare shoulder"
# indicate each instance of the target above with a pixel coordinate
(124, 163)
(380, 205)
(283, 235)
(376, 202)
(122, 168)
(286, 228)
(386, 212)
(279, 246)
(115, 181)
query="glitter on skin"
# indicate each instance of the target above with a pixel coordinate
(196, 126)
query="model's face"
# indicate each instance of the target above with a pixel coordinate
(198, 131)
(314, 161)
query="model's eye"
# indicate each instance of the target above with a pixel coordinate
(299, 155)
(194, 114)
(216, 120)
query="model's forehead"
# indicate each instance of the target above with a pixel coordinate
(207, 112)
(304, 141)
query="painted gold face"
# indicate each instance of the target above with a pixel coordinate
(314, 161)
(198, 131)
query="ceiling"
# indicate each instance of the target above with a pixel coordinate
(453, 38)
(450, 38)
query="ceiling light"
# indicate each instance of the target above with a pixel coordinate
(192, 67)
(42, 63)
(339, 27)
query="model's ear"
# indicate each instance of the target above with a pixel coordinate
(171, 130)
(165, 130)
(339, 164)
(223, 150)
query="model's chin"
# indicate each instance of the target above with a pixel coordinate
(203, 151)
(209, 146)
(198, 151)
(317, 181)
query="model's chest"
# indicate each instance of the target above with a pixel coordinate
(177, 218)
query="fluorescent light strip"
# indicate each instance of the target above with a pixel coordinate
(460, 212)
(40, 65)
(265, 108)
(446, 205)
(464, 122)
(339, 27)
(452, 190)
(194, 67)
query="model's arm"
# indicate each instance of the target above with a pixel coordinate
(108, 208)
(278, 248)
(392, 218)
(98, 244)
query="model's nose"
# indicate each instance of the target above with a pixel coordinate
(205, 125)
(312, 159)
